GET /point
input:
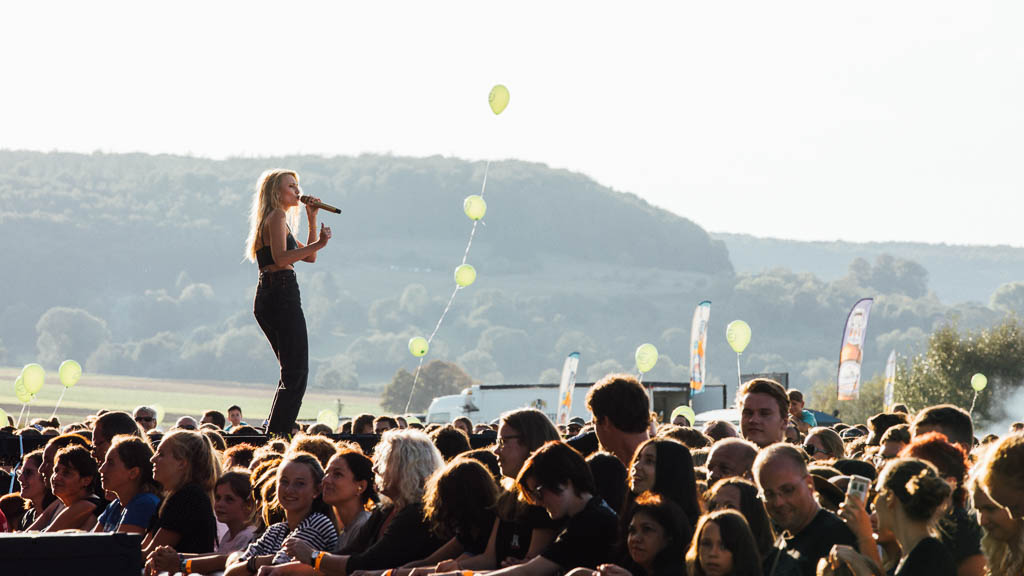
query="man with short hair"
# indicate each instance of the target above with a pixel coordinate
(363, 424)
(622, 414)
(234, 418)
(787, 489)
(764, 411)
(186, 423)
(146, 417)
(214, 417)
(731, 457)
(382, 424)
(950, 420)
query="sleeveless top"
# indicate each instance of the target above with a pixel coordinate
(264, 257)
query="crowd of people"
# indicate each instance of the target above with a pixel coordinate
(905, 493)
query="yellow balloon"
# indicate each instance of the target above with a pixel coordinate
(646, 357)
(69, 372)
(328, 417)
(3, 419)
(33, 375)
(21, 392)
(498, 99)
(684, 411)
(737, 333)
(465, 275)
(418, 346)
(978, 382)
(474, 207)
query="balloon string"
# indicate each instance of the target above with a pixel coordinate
(472, 232)
(448, 306)
(20, 414)
(975, 399)
(58, 403)
(739, 372)
(414, 379)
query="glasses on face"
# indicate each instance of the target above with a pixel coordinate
(144, 419)
(811, 449)
(785, 492)
(503, 440)
(536, 493)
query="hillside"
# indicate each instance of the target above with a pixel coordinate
(132, 264)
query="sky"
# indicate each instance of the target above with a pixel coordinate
(858, 121)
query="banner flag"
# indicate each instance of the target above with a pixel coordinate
(698, 347)
(890, 380)
(565, 388)
(852, 352)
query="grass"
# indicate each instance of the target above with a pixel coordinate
(177, 397)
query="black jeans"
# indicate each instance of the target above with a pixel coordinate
(278, 309)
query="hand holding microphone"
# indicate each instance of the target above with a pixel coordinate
(316, 203)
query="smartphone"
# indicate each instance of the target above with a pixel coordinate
(859, 487)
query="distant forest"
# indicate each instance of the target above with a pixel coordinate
(133, 264)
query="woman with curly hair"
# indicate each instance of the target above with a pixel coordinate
(396, 532)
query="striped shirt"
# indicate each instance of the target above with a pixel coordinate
(315, 530)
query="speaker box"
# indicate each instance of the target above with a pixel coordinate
(71, 553)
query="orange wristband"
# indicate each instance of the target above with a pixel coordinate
(188, 566)
(467, 573)
(319, 559)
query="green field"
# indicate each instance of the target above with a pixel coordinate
(177, 397)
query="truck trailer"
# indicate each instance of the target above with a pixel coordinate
(484, 403)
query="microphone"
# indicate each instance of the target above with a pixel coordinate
(309, 201)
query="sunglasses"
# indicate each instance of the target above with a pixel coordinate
(145, 419)
(811, 449)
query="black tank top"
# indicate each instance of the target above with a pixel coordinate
(264, 257)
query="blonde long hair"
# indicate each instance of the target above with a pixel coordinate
(265, 201)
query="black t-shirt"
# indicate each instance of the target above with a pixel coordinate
(816, 540)
(960, 532)
(514, 536)
(475, 541)
(928, 558)
(190, 513)
(588, 538)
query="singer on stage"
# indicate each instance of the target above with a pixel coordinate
(278, 308)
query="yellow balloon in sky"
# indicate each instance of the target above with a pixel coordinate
(418, 346)
(328, 417)
(33, 375)
(498, 99)
(474, 207)
(646, 357)
(21, 392)
(737, 334)
(69, 372)
(465, 275)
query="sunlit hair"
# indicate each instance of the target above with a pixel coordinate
(264, 201)
(918, 487)
(404, 460)
(1004, 463)
(316, 471)
(752, 509)
(736, 538)
(241, 486)
(81, 461)
(320, 446)
(831, 439)
(135, 452)
(459, 500)
(1003, 557)
(203, 467)
(361, 468)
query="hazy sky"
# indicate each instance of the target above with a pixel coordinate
(864, 121)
